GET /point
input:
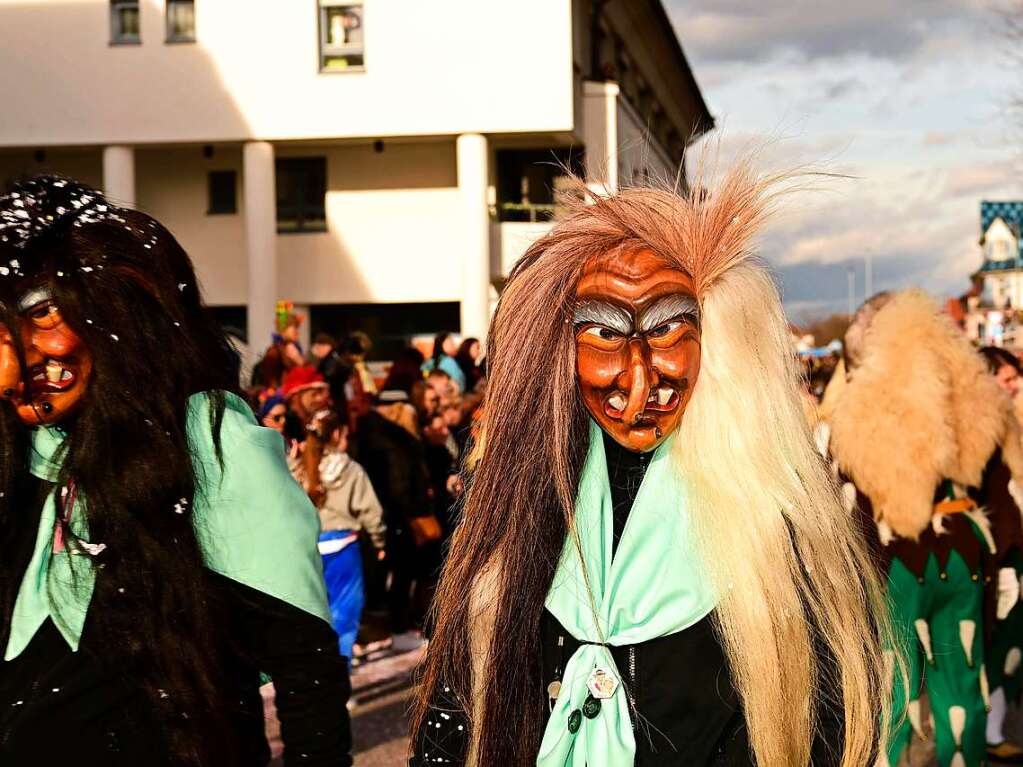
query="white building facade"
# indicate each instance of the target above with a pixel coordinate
(1002, 268)
(381, 163)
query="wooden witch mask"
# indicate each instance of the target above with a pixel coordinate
(637, 335)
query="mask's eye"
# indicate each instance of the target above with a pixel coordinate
(44, 315)
(665, 328)
(600, 337)
(602, 332)
(672, 332)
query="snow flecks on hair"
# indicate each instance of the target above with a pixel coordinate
(45, 203)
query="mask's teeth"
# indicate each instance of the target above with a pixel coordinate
(664, 396)
(617, 401)
(54, 371)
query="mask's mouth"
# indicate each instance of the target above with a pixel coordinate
(662, 399)
(51, 377)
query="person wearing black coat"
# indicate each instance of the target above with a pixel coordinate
(686, 671)
(652, 564)
(392, 455)
(158, 559)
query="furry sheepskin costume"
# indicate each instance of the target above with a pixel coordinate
(931, 446)
(919, 407)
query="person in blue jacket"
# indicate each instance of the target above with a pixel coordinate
(445, 347)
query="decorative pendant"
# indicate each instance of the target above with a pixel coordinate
(602, 683)
(591, 707)
(554, 689)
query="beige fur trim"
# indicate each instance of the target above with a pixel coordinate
(810, 412)
(1012, 445)
(832, 392)
(919, 408)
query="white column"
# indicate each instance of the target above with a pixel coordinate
(119, 175)
(259, 197)
(473, 162)
(600, 135)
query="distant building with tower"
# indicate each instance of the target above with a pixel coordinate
(1002, 270)
(990, 313)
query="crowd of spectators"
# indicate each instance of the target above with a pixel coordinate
(380, 461)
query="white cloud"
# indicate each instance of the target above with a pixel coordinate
(910, 97)
(740, 30)
(988, 180)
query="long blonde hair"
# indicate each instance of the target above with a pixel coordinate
(792, 573)
(784, 554)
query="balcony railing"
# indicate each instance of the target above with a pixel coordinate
(510, 239)
(524, 212)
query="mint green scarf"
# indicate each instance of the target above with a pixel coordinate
(254, 523)
(655, 586)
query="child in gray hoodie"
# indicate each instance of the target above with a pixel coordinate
(347, 504)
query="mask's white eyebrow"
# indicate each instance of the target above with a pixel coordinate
(603, 313)
(670, 308)
(34, 297)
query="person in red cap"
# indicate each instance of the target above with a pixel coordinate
(307, 395)
(306, 392)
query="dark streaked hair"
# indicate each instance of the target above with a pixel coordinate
(438, 346)
(997, 358)
(128, 289)
(852, 345)
(464, 353)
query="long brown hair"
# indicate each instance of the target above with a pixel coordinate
(777, 533)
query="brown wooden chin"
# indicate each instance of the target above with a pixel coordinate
(640, 438)
(41, 389)
(49, 407)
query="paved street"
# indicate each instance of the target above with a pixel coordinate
(379, 725)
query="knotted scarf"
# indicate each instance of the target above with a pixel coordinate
(653, 586)
(253, 521)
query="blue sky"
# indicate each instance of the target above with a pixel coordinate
(913, 98)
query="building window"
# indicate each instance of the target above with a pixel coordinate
(341, 36)
(124, 22)
(222, 186)
(180, 21)
(301, 194)
(529, 182)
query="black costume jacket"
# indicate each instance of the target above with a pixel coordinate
(689, 714)
(85, 708)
